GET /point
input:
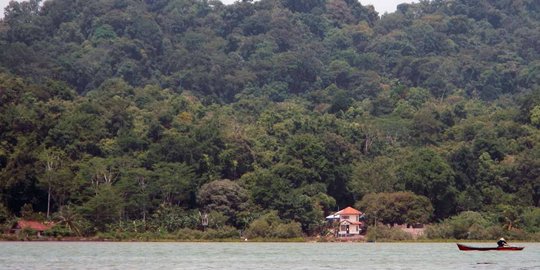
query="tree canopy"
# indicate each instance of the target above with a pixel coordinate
(273, 111)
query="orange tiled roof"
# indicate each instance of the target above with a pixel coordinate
(34, 225)
(349, 211)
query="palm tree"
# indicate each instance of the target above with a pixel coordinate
(68, 217)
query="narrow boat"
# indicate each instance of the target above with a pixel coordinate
(506, 248)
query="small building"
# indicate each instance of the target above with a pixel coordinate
(348, 221)
(37, 226)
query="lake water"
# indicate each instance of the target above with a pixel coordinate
(259, 256)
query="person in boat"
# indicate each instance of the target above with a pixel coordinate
(502, 243)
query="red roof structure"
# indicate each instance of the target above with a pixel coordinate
(34, 225)
(348, 211)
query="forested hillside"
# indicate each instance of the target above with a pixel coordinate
(132, 115)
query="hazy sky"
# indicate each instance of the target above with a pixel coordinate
(3, 4)
(381, 6)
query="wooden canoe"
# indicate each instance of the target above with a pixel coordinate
(506, 248)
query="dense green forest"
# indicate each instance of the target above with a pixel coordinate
(140, 115)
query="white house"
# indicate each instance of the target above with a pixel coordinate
(349, 221)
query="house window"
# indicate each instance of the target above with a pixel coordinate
(343, 228)
(345, 217)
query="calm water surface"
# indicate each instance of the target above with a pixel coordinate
(260, 256)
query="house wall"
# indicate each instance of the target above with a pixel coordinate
(354, 218)
(353, 229)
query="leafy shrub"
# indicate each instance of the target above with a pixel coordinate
(271, 226)
(173, 218)
(226, 232)
(288, 230)
(4, 214)
(26, 233)
(9, 237)
(466, 223)
(189, 234)
(477, 232)
(494, 232)
(531, 220)
(472, 226)
(516, 235)
(216, 219)
(58, 231)
(385, 233)
(258, 228)
(534, 237)
(439, 231)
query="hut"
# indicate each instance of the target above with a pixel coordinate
(37, 226)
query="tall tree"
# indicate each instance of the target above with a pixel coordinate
(426, 173)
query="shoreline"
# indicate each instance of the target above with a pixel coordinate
(256, 240)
